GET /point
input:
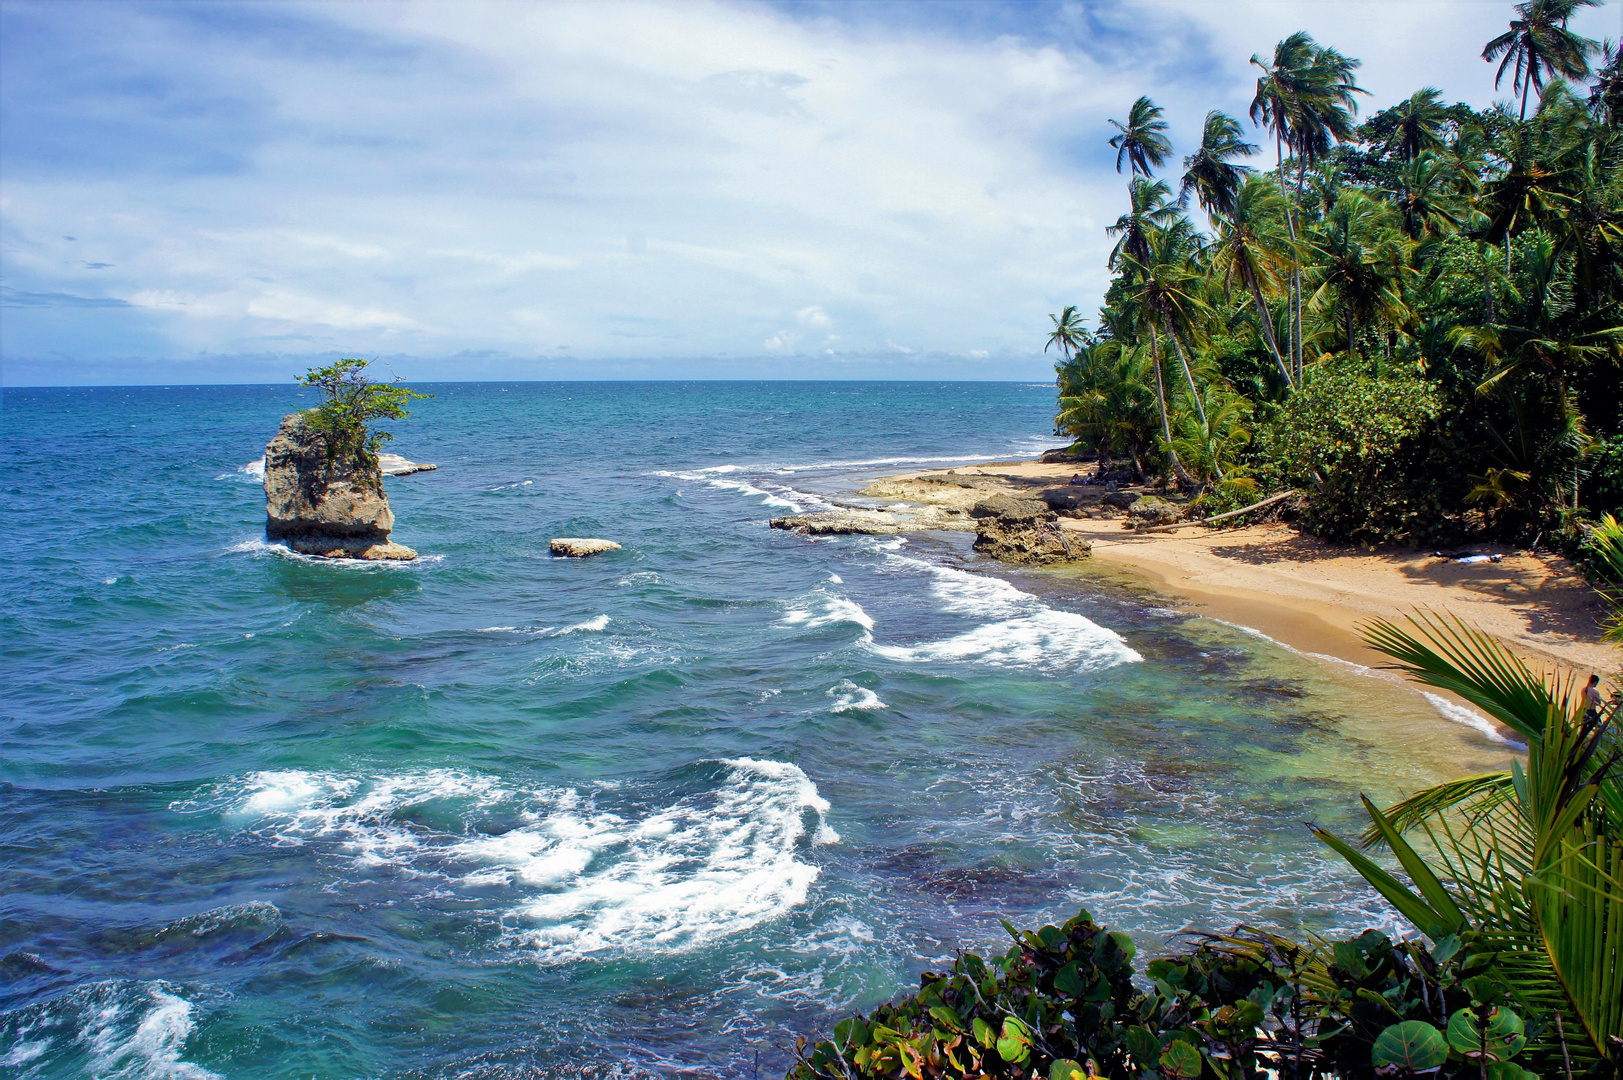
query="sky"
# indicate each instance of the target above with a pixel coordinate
(232, 192)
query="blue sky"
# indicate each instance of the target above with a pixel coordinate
(229, 192)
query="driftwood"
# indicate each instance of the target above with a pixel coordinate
(1269, 501)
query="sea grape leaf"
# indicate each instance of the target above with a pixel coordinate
(1501, 1037)
(1413, 1045)
(983, 1032)
(1143, 1045)
(1066, 1069)
(1015, 1044)
(1068, 982)
(947, 1018)
(1181, 1060)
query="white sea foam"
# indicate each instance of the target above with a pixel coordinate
(1026, 633)
(820, 608)
(110, 1030)
(1471, 719)
(251, 473)
(599, 622)
(1048, 640)
(259, 546)
(592, 880)
(849, 697)
(768, 498)
(814, 466)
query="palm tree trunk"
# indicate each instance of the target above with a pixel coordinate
(1290, 224)
(1267, 322)
(1184, 479)
(1188, 373)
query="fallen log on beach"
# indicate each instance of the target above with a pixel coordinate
(1269, 501)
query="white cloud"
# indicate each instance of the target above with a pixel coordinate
(640, 180)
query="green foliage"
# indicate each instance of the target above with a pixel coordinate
(344, 420)
(1350, 441)
(1063, 1002)
(1470, 261)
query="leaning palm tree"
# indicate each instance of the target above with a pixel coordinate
(1209, 172)
(1532, 856)
(1166, 285)
(1427, 198)
(1252, 251)
(1538, 45)
(1142, 141)
(1070, 332)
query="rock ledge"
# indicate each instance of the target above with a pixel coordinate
(578, 547)
(325, 506)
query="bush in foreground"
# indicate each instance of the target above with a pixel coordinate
(1062, 1003)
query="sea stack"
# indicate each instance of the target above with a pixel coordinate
(323, 505)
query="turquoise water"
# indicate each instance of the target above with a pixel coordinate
(494, 814)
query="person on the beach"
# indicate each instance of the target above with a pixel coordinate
(1076, 478)
(1592, 698)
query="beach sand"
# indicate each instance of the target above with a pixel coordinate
(1314, 596)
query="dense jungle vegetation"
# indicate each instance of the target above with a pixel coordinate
(1416, 320)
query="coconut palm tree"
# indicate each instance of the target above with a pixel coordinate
(1427, 198)
(1150, 207)
(1421, 119)
(1606, 95)
(1360, 263)
(1306, 98)
(1538, 45)
(1142, 141)
(1167, 283)
(1532, 857)
(1070, 332)
(1252, 251)
(1209, 173)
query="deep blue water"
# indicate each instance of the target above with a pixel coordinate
(498, 814)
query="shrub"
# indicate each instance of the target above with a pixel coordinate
(1063, 1004)
(353, 402)
(1352, 443)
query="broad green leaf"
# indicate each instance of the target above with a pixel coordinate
(1143, 1045)
(1067, 982)
(1181, 1060)
(1413, 1045)
(947, 1018)
(983, 1032)
(1066, 1069)
(1015, 1044)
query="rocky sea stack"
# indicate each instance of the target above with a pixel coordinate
(323, 504)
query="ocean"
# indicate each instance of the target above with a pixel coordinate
(654, 813)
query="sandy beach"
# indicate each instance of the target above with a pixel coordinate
(1315, 596)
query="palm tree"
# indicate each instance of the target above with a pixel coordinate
(1252, 250)
(1150, 207)
(1142, 141)
(1420, 122)
(1532, 857)
(1606, 96)
(1539, 45)
(1426, 198)
(1361, 264)
(1209, 173)
(1167, 281)
(1306, 98)
(1070, 333)
(1106, 399)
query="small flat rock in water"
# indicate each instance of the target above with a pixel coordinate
(576, 547)
(840, 523)
(395, 465)
(338, 547)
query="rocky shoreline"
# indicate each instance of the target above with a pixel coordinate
(1013, 521)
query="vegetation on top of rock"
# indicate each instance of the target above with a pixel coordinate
(344, 420)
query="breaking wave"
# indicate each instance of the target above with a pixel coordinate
(590, 879)
(109, 1030)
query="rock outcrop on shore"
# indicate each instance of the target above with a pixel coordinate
(395, 465)
(1025, 531)
(578, 547)
(319, 505)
